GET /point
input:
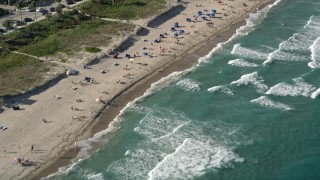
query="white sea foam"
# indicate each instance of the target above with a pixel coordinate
(191, 159)
(253, 79)
(163, 82)
(251, 22)
(189, 85)
(315, 94)
(266, 102)
(242, 63)
(315, 54)
(298, 88)
(98, 176)
(61, 171)
(298, 42)
(151, 157)
(220, 88)
(255, 18)
(85, 145)
(248, 53)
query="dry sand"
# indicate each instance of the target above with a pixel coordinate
(47, 122)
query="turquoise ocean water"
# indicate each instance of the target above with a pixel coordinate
(250, 110)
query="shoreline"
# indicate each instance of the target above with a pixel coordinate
(103, 118)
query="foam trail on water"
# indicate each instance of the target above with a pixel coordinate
(191, 159)
(298, 42)
(220, 88)
(315, 54)
(298, 88)
(266, 102)
(247, 53)
(253, 79)
(242, 63)
(315, 94)
(255, 18)
(189, 85)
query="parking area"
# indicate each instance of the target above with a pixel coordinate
(28, 15)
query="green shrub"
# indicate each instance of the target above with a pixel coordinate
(92, 49)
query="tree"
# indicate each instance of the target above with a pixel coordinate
(34, 6)
(19, 5)
(58, 1)
(59, 10)
(7, 24)
(48, 16)
(2, 39)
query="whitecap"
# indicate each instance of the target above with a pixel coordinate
(315, 94)
(298, 88)
(242, 63)
(298, 42)
(220, 88)
(189, 85)
(191, 159)
(266, 102)
(253, 79)
(247, 52)
(315, 54)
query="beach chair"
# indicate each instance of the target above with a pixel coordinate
(176, 25)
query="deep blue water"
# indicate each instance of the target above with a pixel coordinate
(250, 111)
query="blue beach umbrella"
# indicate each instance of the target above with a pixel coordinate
(214, 11)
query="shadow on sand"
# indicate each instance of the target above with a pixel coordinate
(166, 16)
(24, 99)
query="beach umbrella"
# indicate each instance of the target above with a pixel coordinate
(181, 31)
(145, 53)
(188, 20)
(213, 10)
(176, 25)
(203, 17)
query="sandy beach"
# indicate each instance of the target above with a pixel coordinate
(71, 109)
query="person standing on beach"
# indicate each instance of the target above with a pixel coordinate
(32, 147)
